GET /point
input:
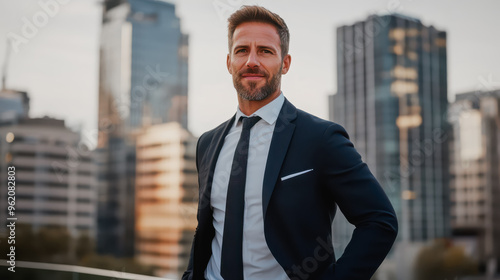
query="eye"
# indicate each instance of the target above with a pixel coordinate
(240, 51)
(267, 51)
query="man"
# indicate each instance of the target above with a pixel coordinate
(270, 178)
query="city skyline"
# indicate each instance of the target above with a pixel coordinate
(389, 70)
(41, 65)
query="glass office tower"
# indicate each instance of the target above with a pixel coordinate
(143, 81)
(392, 99)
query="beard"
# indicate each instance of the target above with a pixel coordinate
(252, 93)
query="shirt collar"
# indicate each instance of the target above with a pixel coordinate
(269, 113)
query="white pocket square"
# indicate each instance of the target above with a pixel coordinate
(295, 174)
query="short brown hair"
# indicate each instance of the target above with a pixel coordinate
(259, 14)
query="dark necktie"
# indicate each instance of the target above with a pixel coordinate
(232, 243)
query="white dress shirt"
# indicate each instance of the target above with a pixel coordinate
(258, 261)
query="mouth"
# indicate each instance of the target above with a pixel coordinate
(252, 77)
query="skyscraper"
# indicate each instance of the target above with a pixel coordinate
(143, 64)
(143, 80)
(475, 172)
(166, 198)
(392, 99)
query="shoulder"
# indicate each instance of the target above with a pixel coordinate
(324, 127)
(206, 138)
(328, 135)
(326, 140)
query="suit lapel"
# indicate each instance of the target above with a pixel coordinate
(280, 141)
(213, 151)
(205, 230)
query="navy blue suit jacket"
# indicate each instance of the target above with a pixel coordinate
(298, 211)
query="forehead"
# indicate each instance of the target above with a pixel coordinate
(256, 32)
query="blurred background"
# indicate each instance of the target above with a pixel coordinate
(101, 104)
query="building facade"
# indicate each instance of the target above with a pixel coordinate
(55, 178)
(392, 99)
(475, 172)
(166, 198)
(143, 81)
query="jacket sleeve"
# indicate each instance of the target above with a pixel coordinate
(188, 274)
(363, 202)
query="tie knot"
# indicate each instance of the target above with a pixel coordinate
(248, 123)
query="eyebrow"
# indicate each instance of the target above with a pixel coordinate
(258, 47)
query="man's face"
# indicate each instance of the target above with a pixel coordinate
(255, 61)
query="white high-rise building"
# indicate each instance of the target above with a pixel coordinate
(54, 176)
(475, 174)
(166, 198)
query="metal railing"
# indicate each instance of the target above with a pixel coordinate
(71, 272)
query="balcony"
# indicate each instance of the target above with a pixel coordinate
(48, 271)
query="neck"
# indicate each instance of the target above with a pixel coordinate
(249, 107)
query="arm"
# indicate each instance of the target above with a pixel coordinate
(364, 203)
(188, 274)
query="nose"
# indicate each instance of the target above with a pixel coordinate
(253, 60)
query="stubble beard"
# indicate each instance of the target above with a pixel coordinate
(252, 93)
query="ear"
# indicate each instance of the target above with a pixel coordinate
(286, 64)
(228, 64)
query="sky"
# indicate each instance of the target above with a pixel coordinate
(58, 62)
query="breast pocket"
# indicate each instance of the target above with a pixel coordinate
(296, 174)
